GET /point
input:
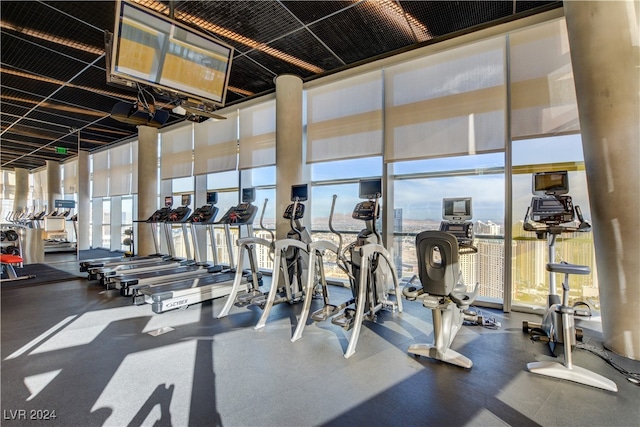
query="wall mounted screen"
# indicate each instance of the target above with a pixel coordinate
(151, 49)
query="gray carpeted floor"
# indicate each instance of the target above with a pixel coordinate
(96, 359)
(38, 274)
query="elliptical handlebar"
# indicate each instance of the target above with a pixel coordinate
(333, 206)
(375, 218)
(292, 218)
(264, 208)
(341, 260)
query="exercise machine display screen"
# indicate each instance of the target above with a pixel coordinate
(212, 197)
(552, 210)
(299, 192)
(370, 188)
(366, 211)
(186, 200)
(248, 195)
(457, 209)
(550, 183)
(168, 201)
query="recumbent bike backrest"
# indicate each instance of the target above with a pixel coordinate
(438, 269)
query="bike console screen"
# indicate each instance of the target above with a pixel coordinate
(550, 183)
(456, 209)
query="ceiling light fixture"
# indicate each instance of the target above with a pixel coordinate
(53, 39)
(393, 11)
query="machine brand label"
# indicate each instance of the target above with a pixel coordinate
(175, 304)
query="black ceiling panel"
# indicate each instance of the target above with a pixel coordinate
(311, 11)
(50, 92)
(363, 31)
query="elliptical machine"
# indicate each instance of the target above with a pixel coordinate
(290, 260)
(550, 214)
(362, 261)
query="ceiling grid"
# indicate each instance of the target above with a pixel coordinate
(53, 70)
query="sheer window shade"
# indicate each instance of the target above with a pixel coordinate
(177, 153)
(134, 166)
(101, 174)
(120, 170)
(449, 103)
(258, 135)
(40, 187)
(344, 119)
(8, 183)
(216, 145)
(71, 176)
(543, 98)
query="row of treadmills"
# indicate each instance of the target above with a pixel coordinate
(167, 282)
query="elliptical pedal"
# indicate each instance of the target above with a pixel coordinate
(324, 313)
(345, 319)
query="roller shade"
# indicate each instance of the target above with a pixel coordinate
(70, 176)
(134, 166)
(216, 145)
(177, 153)
(543, 97)
(120, 170)
(344, 119)
(258, 135)
(40, 192)
(100, 174)
(447, 104)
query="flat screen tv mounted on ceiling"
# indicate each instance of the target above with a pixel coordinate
(151, 49)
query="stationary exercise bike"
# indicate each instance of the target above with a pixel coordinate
(441, 287)
(550, 214)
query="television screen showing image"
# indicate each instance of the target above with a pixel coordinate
(299, 192)
(457, 209)
(152, 49)
(168, 201)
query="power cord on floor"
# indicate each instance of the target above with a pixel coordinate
(632, 377)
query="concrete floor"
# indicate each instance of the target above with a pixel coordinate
(91, 357)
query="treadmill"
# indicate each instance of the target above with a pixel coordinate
(164, 297)
(167, 270)
(105, 268)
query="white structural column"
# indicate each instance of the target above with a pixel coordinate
(147, 186)
(22, 190)
(291, 166)
(54, 183)
(603, 37)
(84, 202)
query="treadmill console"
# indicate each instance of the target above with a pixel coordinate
(365, 211)
(161, 215)
(204, 215)
(244, 213)
(180, 214)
